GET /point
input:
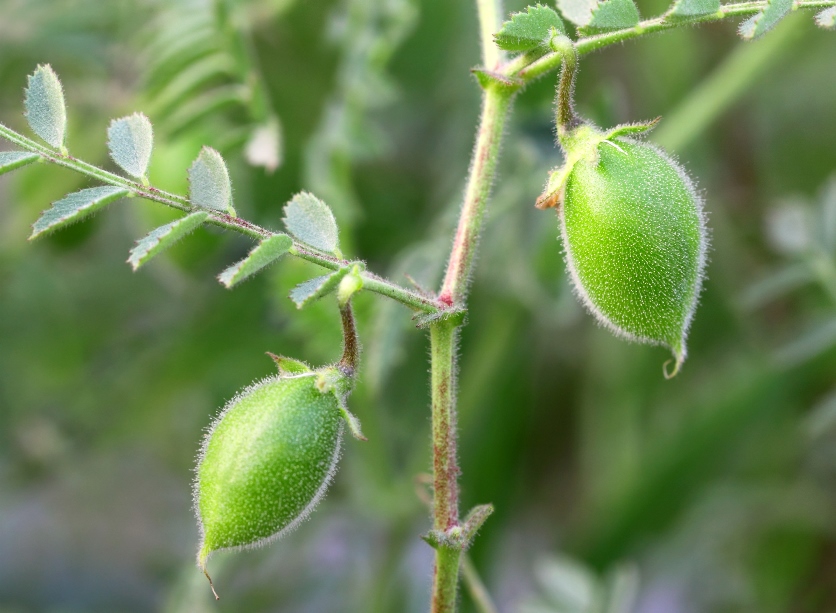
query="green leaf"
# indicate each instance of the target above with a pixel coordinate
(311, 221)
(528, 30)
(209, 183)
(314, 289)
(45, 109)
(75, 207)
(289, 366)
(578, 12)
(190, 80)
(264, 254)
(693, 8)
(827, 18)
(12, 160)
(162, 238)
(130, 140)
(767, 19)
(614, 15)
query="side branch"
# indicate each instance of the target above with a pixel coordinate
(527, 71)
(371, 281)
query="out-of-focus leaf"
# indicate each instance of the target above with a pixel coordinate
(578, 12)
(189, 80)
(314, 289)
(567, 583)
(827, 18)
(767, 19)
(311, 221)
(162, 238)
(614, 15)
(693, 8)
(130, 141)
(204, 105)
(12, 160)
(265, 253)
(776, 285)
(809, 345)
(45, 109)
(264, 147)
(75, 207)
(209, 184)
(529, 29)
(789, 228)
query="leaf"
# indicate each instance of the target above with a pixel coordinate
(12, 160)
(264, 147)
(528, 30)
(767, 19)
(209, 182)
(130, 140)
(75, 207)
(578, 12)
(314, 289)
(45, 109)
(162, 238)
(693, 8)
(264, 254)
(289, 366)
(311, 221)
(827, 18)
(614, 15)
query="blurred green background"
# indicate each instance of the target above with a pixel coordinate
(615, 490)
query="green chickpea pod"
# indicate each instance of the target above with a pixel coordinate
(632, 226)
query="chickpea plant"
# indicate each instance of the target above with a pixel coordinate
(630, 218)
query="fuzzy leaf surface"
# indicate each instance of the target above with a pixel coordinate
(209, 182)
(614, 15)
(694, 8)
(265, 253)
(827, 18)
(12, 160)
(314, 289)
(767, 19)
(529, 29)
(45, 108)
(311, 221)
(162, 238)
(130, 140)
(75, 207)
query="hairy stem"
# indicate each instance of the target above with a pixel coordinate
(495, 106)
(371, 282)
(351, 346)
(445, 466)
(565, 118)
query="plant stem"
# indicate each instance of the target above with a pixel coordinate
(490, 21)
(495, 106)
(351, 346)
(527, 71)
(565, 118)
(445, 466)
(478, 591)
(371, 281)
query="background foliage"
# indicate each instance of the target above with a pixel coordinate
(615, 489)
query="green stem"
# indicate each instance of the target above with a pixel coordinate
(371, 281)
(445, 466)
(490, 21)
(565, 118)
(527, 71)
(495, 106)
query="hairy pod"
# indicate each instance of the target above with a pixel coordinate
(268, 460)
(634, 235)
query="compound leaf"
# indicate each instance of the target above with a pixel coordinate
(75, 207)
(614, 15)
(11, 160)
(162, 238)
(209, 184)
(827, 18)
(45, 109)
(767, 19)
(130, 140)
(265, 253)
(314, 289)
(693, 8)
(311, 221)
(530, 29)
